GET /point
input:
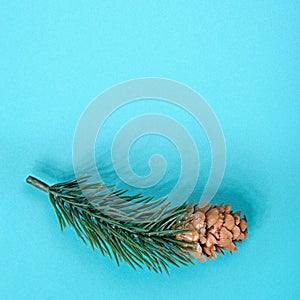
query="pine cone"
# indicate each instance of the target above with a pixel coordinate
(213, 228)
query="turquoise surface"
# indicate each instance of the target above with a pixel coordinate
(243, 57)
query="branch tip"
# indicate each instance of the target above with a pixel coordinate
(38, 183)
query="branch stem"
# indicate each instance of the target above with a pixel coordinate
(38, 184)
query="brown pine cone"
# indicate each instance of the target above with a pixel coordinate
(214, 228)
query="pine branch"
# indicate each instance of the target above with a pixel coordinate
(131, 229)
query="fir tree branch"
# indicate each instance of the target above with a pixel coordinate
(131, 229)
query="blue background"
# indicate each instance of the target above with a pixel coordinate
(242, 56)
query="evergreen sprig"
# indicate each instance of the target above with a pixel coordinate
(133, 229)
